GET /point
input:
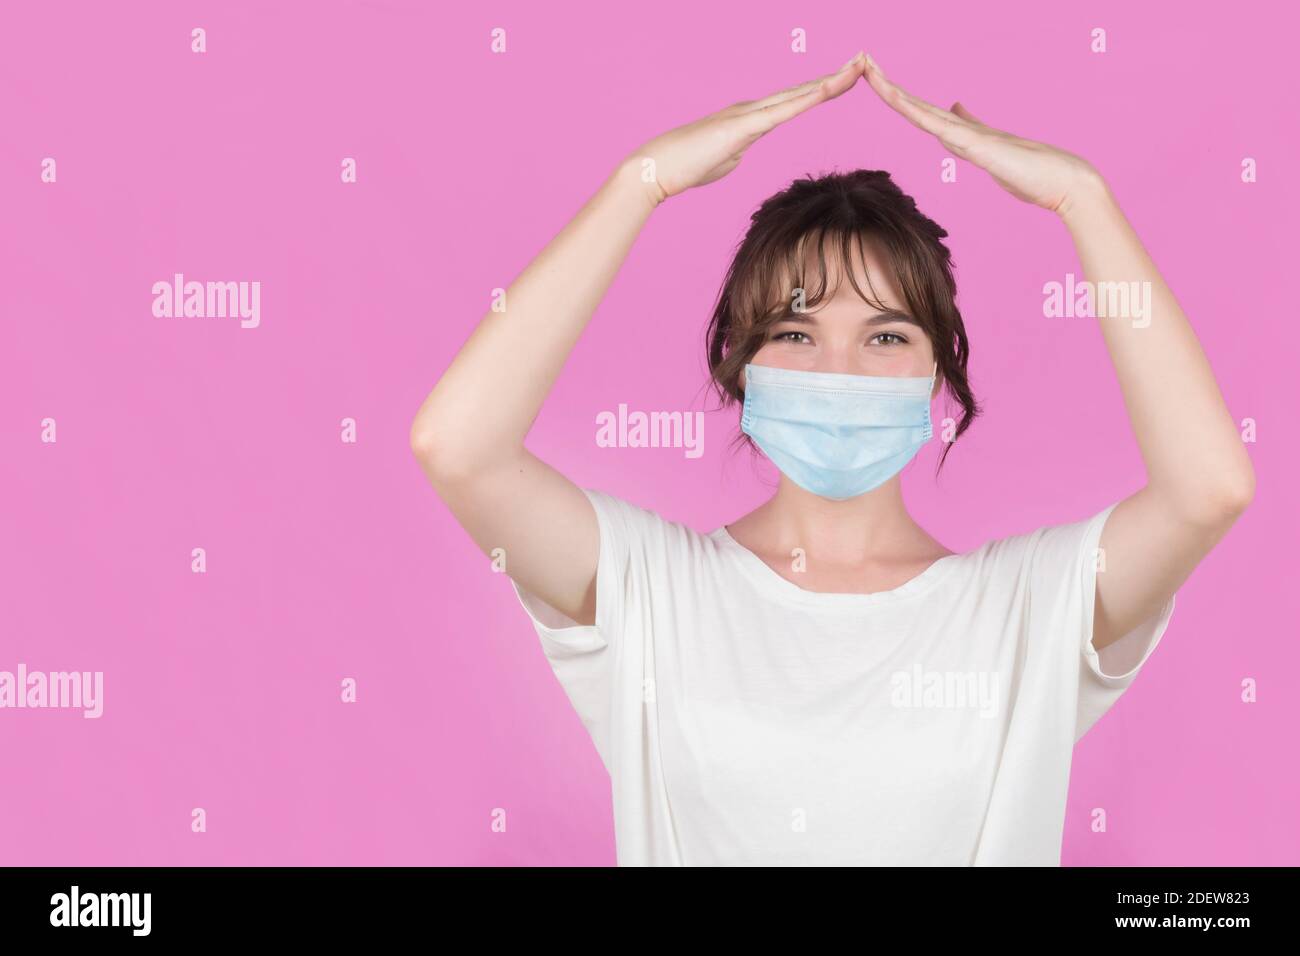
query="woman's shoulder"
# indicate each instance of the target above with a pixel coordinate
(623, 520)
(1049, 543)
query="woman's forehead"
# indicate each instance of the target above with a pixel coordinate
(867, 263)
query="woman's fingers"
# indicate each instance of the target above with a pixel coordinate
(954, 131)
(966, 114)
(841, 80)
(761, 120)
(833, 83)
(762, 115)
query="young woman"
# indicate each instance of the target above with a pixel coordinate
(822, 682)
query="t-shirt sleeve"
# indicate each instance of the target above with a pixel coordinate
(1065, 562)
(585, 658)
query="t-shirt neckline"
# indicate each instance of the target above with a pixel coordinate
(770, 582)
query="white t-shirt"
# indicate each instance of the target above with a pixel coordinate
(745, 720)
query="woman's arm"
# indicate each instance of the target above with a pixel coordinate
(1199, 477)
(469, 433)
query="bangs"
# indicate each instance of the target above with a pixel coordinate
(817, 261)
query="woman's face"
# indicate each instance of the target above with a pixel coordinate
(846, 335)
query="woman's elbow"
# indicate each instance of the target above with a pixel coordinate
(1224, 500)
(449, 455)
(1239, 493)
(434, 448)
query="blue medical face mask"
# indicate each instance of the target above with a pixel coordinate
(838, 436)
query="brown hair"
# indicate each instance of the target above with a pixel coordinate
(864, 204)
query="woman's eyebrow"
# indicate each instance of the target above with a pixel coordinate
(882, 318)
(890, 315)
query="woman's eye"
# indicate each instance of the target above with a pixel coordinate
(897, 339)
(785, 337)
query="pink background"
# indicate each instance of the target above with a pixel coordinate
(328, 560)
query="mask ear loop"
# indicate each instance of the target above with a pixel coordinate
(929, 397)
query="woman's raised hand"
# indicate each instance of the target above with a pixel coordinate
(1032, 171)
(709, 148)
